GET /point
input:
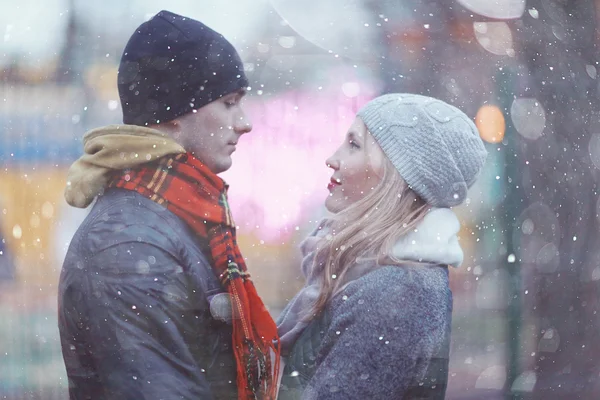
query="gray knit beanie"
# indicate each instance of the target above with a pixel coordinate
(435, 146)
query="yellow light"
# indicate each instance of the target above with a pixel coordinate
(102, 78)
(491, 124)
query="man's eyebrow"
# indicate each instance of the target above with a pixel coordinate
(239, 92)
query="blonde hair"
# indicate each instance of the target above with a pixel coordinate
(367, 230)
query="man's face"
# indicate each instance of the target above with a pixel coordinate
(211, 133)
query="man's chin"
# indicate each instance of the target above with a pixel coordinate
(223, 166)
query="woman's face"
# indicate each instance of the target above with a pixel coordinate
(357, 168)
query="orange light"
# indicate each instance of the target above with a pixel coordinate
(491, 124)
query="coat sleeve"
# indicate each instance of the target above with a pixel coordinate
(127, 319)
(379, 343)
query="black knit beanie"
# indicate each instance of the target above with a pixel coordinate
(173, 65)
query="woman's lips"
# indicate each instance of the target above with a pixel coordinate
(333, 183)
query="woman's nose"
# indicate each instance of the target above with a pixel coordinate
(332, 163)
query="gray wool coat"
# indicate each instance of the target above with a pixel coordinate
(386, 334)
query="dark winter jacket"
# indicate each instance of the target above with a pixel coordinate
(134, 316)
(385, 336)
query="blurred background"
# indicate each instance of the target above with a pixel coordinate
(525, 300)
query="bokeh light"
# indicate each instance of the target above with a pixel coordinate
(337, 26)
(528, 117)
(495, 37)
(538, 233)
(550, 342)
(498, 9)
(594, 149)
(490, 123)
(525, 382)
(493, 377)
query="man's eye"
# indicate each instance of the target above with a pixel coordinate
(354, 144)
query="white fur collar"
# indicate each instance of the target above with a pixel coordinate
(434, 240)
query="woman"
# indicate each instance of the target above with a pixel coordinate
(373, 320)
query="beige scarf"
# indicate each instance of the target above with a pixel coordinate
(111, 149)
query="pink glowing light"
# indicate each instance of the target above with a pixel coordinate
(279, 178)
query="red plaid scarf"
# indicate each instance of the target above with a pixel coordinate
(191, 191)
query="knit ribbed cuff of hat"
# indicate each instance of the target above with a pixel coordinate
(406, 151)
(202, 96)
(397, 152)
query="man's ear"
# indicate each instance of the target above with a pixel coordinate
(176, 123)
(173, 126)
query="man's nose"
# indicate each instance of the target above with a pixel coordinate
(242, 124)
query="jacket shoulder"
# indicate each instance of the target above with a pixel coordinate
(398, 281)
(122, 216)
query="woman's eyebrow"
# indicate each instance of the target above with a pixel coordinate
(353, 135)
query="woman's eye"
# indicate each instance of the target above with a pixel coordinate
(354, 144)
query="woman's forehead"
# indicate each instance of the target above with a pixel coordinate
(358, 128)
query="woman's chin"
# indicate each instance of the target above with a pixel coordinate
(332, 205)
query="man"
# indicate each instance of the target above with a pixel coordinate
(148, 272)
